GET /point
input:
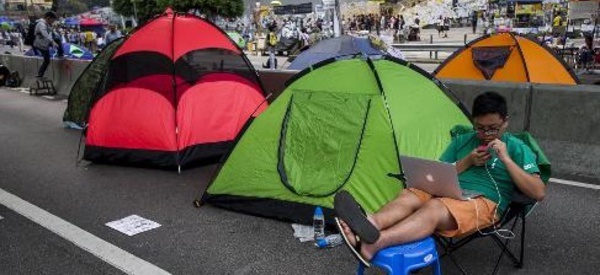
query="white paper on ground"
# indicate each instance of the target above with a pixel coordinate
(132, 225)
(1, 217)
(304, 233)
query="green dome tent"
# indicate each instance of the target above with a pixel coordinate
(237, 38)
(321, 136)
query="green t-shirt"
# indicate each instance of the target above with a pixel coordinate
(476, 178)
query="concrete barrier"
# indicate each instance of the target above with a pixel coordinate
(564, 119)
(517, 96)
(63, 72)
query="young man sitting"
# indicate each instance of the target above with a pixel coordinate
(504, 163)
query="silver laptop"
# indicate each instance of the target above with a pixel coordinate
(434, 177)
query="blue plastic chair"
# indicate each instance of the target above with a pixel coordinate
(402, 259)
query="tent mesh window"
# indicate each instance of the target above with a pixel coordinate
(195, 64)
(489, 59)
(129, 67)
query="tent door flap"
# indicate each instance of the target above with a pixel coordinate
(320, 141)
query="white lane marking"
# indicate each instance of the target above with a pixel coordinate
(575, 183)
(109, 253)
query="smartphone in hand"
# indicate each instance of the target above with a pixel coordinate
(487, 150)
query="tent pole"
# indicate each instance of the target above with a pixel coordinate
(522, 56)
(174, 86)
(389, 115)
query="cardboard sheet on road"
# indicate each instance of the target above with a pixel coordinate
(133, 225)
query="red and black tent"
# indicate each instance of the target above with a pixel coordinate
(175, 93)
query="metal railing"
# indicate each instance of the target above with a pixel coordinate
(433, 49)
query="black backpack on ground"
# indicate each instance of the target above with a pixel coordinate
(13, 80)
(4, 74)
(30, 37)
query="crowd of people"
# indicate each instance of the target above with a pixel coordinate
(92, 40)
(384, 23)
(46, 33)
(12, 38)
(300, 30)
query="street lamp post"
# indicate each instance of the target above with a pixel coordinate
(134, 13)
(333, 7)
(257, 24)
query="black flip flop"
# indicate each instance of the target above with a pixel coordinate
(349, 211)
(355, 249)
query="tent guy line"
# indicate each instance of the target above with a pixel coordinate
(105, 251)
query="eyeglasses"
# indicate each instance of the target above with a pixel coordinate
(488, 131)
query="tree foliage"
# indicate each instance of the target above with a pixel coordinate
(225, 8)
(69, 7)
(63, 5)
(147, 9)
(99, 3)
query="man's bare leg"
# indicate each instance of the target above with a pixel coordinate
(422, 223)
(395, 211)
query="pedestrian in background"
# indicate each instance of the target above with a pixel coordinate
(474, 21)
(272, 44)
(446, 26)
(112, 34)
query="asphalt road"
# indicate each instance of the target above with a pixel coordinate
(38, 164)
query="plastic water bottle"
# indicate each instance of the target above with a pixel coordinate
(319, 224)
(330, 241)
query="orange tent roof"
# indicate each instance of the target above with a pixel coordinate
(507, 57)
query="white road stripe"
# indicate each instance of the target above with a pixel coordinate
(109, 253)
(575, 183)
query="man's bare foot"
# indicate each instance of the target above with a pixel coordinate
(366, 250)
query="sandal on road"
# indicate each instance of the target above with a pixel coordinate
(349, 211)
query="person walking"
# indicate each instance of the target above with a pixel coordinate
(271, 46)
(402, 22)
(446, 26)
(474, 21)
(396, 27)
(439, 25)
(43, 40)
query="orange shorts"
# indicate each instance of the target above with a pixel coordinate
(468, 217)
